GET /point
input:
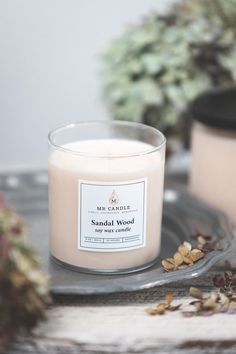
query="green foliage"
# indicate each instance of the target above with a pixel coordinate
(152, 72)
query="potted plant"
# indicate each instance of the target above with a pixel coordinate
(156, 67)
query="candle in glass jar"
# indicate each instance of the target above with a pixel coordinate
(213, 150)
(105, 203)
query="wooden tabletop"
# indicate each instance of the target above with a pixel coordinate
(118, 323)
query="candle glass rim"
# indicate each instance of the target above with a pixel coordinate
(153, 149)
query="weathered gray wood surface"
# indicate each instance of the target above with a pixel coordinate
(118, 323)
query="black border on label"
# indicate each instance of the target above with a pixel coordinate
(107, 185)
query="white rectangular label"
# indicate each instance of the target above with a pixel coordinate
(111, 215)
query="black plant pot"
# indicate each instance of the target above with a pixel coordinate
(216, 108)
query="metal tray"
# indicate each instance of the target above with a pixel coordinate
(182, 216)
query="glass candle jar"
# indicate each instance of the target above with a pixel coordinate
(105, 195)
(213, 150)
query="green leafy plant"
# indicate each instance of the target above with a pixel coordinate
(23, 285)
(152, 72)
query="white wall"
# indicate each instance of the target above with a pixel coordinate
(49, 52)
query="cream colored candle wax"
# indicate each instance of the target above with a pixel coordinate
(213, 150)
(105, 206)
(213, 172)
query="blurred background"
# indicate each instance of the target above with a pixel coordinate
(65, 61)
(50, 67)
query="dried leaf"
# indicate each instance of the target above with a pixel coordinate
(232, 305)
(185, 255)
(175, 307)
(224, 299)
(151, 311)
(161, 308)
(195, 292)
(178, 258)
(210, 304)
(168, 264)
(201, 240)
(188, 260)
(219, 280)
(183, 250)
(195, 302)
(169, 297)
(188, 245)
(221, 301)
(196, 254)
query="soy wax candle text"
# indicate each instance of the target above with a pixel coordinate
(105, 195)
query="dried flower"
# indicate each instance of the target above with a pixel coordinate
(169, 298)
(195, 292)
(185, 248)
(207, 243)
(183, 257)
(213, 302)
(178, 259)
(168, 264)
(222, 300)
(23, 285)
(161, 308)
(227, 283)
